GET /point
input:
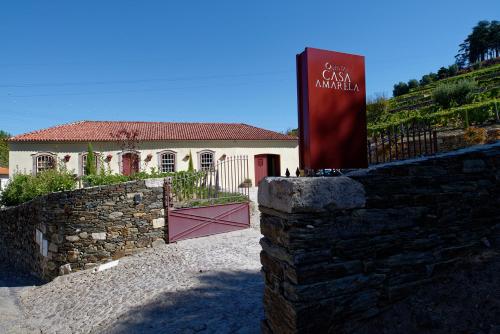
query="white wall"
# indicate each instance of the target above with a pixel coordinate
(21, 153)
(3, 182)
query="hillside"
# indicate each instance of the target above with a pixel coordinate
(419, 104)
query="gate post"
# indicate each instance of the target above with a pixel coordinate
(167, 203)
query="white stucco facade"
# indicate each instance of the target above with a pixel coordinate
(22, 155)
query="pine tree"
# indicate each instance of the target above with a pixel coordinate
(90, 164)
(190, 163)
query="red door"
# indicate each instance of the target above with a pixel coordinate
(260, 164)
(130, 164)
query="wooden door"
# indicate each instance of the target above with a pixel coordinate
(130, 164)
(260, 164)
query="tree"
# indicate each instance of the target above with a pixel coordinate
(292, 132)
(190, 163)
(452, 70)
(413, 83)
(482, 44)
(426, 79)
(494, 38)
(442, 72)
(90, 164)
(400, 89)
(4, 149)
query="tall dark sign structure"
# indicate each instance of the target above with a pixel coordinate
(332, 110)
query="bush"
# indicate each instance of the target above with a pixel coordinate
(475, 136)
(104, 179)
(458, 93)
(107, 177)
(375, 108)
(23, 188)
(400, 89)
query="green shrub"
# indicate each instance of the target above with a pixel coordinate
(457, 93)
(23, 188)
(104, 179)
(375, 108)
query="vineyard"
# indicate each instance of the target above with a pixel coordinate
(420, 106)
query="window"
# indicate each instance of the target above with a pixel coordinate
(44, 162)
(167, 162)
(206, 160)
(84, 163)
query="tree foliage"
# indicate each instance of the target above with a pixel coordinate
(292, 132)
(90, 164)
(458, 93)
(400, 89)
(375, 108)
(4, 149)
(483, 43)
(413, 83)
(24, 187)
(190, 163)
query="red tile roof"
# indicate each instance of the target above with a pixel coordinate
(4, 171)
(150, 131)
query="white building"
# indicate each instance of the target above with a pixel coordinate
(128, 147)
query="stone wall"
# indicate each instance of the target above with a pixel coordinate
(82, 228)
(337, 251)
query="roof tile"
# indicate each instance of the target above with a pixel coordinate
(150, 131)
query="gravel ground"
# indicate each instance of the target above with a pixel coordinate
(210, 285)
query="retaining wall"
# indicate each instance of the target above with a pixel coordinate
(82, 228)
(337, 251)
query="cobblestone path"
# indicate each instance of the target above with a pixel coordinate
(204, 285)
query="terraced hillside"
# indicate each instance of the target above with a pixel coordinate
(418, 105)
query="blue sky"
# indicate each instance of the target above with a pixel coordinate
(220, 61)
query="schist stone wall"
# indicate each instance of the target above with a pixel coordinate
(79, 229)
(337, 251)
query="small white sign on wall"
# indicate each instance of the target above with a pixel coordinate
(45, 247)
(38, 236)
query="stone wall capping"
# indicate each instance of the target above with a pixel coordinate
(311, 194)
(486, 150)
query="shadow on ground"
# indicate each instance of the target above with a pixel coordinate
(12, 283)
(222, 302)
(11, 277)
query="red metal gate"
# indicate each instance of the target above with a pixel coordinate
(202, 221)
(210, 201)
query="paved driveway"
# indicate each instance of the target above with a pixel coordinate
(12, 283)
(205, 285)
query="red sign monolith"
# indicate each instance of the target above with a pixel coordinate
(332, 110)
